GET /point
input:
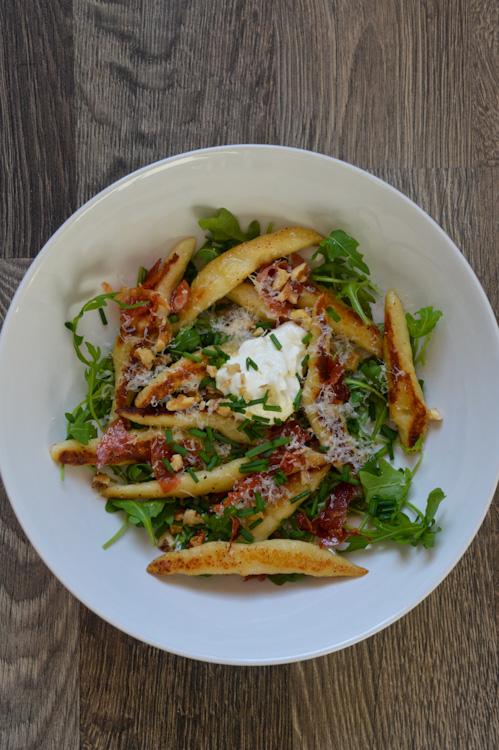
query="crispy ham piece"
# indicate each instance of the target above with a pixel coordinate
(405, 398)
(270, 557)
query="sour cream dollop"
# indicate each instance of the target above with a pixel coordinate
(276, 374)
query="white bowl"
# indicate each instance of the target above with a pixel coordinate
(223, 619)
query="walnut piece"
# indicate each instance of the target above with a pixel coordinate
(145, 356)
(299, 273)
(180, 403)
(288, 294)
(176, 462)
(280, 279)
(301, 315)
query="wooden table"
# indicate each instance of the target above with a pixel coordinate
(91, 90)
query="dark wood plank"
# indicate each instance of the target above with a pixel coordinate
(430, 680)
(156, 78)
(39, 623)
(484, 66)
(376, 84)
(137, 697)
(37, 155)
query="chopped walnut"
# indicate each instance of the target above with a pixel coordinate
(145, 356)
(288, 294)
(197, 539)
(175, 529)
(202, 405)
(301, 315)
(176, 462)
(100, 482)
(224, 411)
(299, 273)
(233, 369)
(211, 370)
(257, 332)
(280, 279)
(192, 518)
(166, 542)
(180, 403)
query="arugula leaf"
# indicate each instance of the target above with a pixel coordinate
(224, 233)
(225, 227)
(187, 340)
(345, 272)
(141, 513)
(340, 244)
(386, 484)
(422, 328)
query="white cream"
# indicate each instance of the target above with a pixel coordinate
(277, 371)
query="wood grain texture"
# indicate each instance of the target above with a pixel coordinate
(37, 177)
(91, 89)
(155, 79)
(39, 623)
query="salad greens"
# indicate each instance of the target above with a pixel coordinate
(381, 505)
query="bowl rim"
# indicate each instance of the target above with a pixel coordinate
(22, 516)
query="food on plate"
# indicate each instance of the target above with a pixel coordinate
(246, 411)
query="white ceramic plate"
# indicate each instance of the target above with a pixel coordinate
(223, 619)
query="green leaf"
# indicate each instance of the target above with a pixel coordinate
(386, 484)
(340, 244)
(142, 513)
(225, 227)
(428, 318)
(434, 499)
(187, 340)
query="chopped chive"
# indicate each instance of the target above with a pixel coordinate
(212, 463)
(251, 363)
(245, 513)
(168, 466)
(142, 275)
(209, 434)
(305, 359)
(297, 401)
(323, 448)
(271, 408)
(179, 449)
(209, 353)
(188, 355)
(333, 314)
(281, 441)
(223, 439)
(197, 433)
(246, 535)
(243, 425)
(259, 449)
(306, 338)
(276, 342)
(265, 324)
(280, 478)
(257, 401)
(300, 496)
(259, 502)
(216, 338)
(206, 458)
(345, 473)
(192, 474)
(62, 471)
(174, 318)
(256, 523)
(256, 418)
(207, 381)
(169, 437)
(103, 316)
(253, 466)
